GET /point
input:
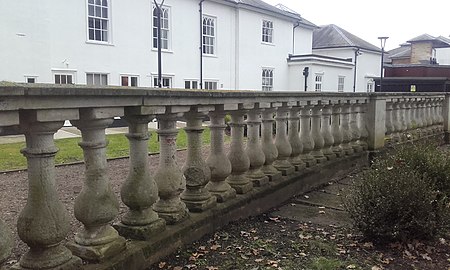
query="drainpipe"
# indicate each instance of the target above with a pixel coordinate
(200, 4)
(357, 53)
(293, 37)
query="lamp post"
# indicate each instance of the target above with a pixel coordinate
(383, 43)
(357, 53)
(158, 26)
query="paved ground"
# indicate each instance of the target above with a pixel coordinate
(321, 207)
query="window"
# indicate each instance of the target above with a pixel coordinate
(166, 82)
(30, 79)
(267, 79)
(341, 80)
(98, 20)
(318, 80)
(129, 80)
(210, 85)
(267, 31)
(96, 79)
(370, 85)
(164, 28)
(63, 79)
(191, 84)
(209, 35)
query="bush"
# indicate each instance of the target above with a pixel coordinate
(392, 201)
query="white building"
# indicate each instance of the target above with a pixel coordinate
(232, 44)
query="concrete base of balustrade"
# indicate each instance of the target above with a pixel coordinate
(300, 167)
(259, 182)
(273, 177)
(73, 264)
(141, 254)
(99, 253)
(200, 206)
(141, 232)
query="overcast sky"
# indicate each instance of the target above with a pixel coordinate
(400, 20)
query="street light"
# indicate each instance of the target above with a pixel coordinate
(383, 43)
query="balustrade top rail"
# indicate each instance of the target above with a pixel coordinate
(14, 96)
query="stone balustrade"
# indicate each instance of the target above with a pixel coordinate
(312, 129)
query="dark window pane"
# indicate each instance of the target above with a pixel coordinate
(91, 2)
(69, 79)
(57, 79)
(91, 34)
(91, 22)
(97, 23)
(98, 2)
(91, 10)
(194, 85)
(104, 13)
(63, 79)
(31, 80)
(105, 3)
(133, 81)
(187, 85)
(98, 11)
(104, 24)
(124, 80)
(98, 35)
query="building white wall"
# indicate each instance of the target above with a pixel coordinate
(368, 65)
(47, 37)
(443, 56)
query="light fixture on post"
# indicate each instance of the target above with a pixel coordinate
(357, 53)
(158, 25)
(383, 43)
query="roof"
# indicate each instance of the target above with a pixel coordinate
(438, 42)
(281, 10)
(332, 36)
(404, 51)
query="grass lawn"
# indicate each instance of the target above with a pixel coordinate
(69, 151)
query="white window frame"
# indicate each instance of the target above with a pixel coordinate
(267, 32)
(318, 82)
(209, 35)
(210, 84)
(129, 80)
(341, 83)
(104, 21)
(191, 84)
(370, 85)
(164, 77)
(165, 28)
(98, 75)
(267, 79)
(34, 77)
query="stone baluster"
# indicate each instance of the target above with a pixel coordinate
(354, 127)
(440, 110)
(294, 139)
(316, 133)
(428, 118)
(336, 130)
(6, 242)
(169, 177)
(326, 132)
(282, 143)
(43, 223)
(139, 192)
(363, 126)
(240, 163)
(408, 118)
(403, 120)
(96, 205)
(346, 133)
(420, 118)
(434, 114)
(390, 128)
(305, 136)
(413, 119)
(217, 160)
(268, 146)
(396, 120)
(197, 173)
(254, 149)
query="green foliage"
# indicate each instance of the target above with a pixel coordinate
(396, 199)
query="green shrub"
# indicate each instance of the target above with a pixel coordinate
(394, 202)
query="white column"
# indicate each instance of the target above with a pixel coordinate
(346, 133)
(305, 136)
(282, 143)
(197, 173)
(294, 139)
(240, 163)
(217, 161)
(96, 206)
(326, 132)
(139, 192)
(268, 146)
(316, 134)
(169, 177)
(336, 130)
(44, 222)
(254, 149)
